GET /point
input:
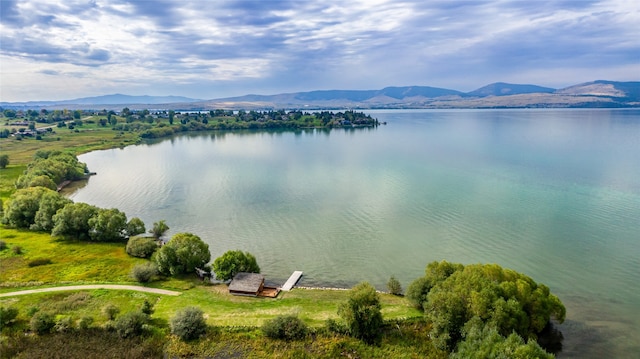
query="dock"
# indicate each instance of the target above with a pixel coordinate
(295, 277)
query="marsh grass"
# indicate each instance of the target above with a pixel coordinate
(71, 261)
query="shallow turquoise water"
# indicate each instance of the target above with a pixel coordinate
(551, 193)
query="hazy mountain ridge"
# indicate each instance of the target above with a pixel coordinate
(599, 93)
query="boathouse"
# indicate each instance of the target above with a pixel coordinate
(247, 284)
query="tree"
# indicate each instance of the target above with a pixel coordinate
(182, 254)
(110, 311)
(483, 341)
(72, 221)
(506, 300)
(50, 203)
(21, 208)
(159, 229)
(108, 225)
(4, 160)
(135, 227)
(233, 262)
(171, 115)
(188, 323)
(142, 247)
(362, 313)
(394, 286)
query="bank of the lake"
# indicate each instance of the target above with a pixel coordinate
(550, 193)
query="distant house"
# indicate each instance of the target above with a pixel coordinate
(247, 284)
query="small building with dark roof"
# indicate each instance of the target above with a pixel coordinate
(247, 284)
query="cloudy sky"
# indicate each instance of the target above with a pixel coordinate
(51, 50)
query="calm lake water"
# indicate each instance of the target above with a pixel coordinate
(554, 194)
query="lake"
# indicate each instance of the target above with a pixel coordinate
(554, 194)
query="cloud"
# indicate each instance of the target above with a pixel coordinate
(210, 49)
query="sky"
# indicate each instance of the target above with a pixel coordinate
(55, 50)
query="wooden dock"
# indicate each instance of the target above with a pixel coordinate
(295, 277)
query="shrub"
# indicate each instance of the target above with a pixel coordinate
(147, 307)
(142, 247)
(7, 315)
(42, 323)
(63, 325)
(39, 262)
(131, 324)
(16, 250)
(143, 273)
(394, 286)
(85, 322)
(188, 323)
(3, 245)
(335, 326)
(287, 327)
(110, 311)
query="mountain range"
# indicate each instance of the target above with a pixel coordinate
(497, 95)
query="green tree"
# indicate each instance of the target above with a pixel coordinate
(362, 313)
(107, 225)
(484, 342)
(418, 290)
(171, 116)
(159, 229)
(135, 226)
(4, 160)
(72, 221)
(50, 203)
(504, 299)
(21, 208)
(188, 323)
(394, 286)
(110, 311)
(182, 254)
(232, 262)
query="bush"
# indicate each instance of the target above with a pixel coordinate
(110, 311)
(3, 245)
(147, 307)
(394, 286)
(7, 315)
(287, 327)
(16, 250)
(142, 247)
(63, 325)
(188, 323)
(130, 324)
(143, 273)
(85, 322)
(42, 323)
(335, 326)
(39, 262)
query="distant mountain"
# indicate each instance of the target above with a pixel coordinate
(115, 99)
(398, 93)
(497, 95)
(505, 89)
(628, 90)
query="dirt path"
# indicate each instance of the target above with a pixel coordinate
(93, 286)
